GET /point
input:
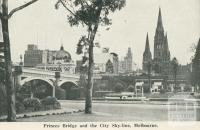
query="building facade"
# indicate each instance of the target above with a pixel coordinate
(106, 62)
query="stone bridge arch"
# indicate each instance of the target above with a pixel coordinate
(70, 88)
(67, 81)
(28, 79)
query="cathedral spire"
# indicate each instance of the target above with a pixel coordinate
(147, 48)
(147, 57)
(159, 23)
(167, 47)
(147, 51)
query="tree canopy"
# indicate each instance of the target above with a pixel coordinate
(87, 11)
(90, 13)
(196, 66)
(175, 64)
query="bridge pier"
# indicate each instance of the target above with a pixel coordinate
(17, 73)
(54, 92)
(57, 77)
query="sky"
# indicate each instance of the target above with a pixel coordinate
(47, 27)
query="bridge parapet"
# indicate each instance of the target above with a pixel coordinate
(46, 73)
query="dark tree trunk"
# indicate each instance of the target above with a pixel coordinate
(88, 98)
(10, 90)
(89, 87)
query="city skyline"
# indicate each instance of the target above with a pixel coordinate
(50, 26)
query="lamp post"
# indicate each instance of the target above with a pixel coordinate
(57, 77)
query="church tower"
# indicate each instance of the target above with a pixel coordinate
(161, 49)
(147, 57)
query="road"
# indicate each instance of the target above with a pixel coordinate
(108, 111)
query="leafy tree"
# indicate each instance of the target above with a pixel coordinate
(119, 87)
(196, 66)
(174, 64)
(131, 88)
(10, 89)
(91, 14)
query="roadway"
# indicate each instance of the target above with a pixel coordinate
(109, 111)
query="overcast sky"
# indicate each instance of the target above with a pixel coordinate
(43, 25)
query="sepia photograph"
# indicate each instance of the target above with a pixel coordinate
(100, 61)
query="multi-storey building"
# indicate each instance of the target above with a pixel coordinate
(126, 64)
(33, 56)
(128, 60)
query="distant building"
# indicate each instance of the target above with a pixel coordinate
(128, 60)
(121, 67)
(49, 59)
(126, 65)
(106, 62)
(33, 56)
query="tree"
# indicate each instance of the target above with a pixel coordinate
(119, 87)
(196, 66)
(10, 89)
(131, 88)
(91, 14)
(174, 64)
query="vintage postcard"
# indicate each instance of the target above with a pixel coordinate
(99, 64)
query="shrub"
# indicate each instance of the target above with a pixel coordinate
(197, 96)
(187, 89)
(119, 87)
(20, 97)
(131, 88)
(32, 103)
(50, 103)
(19, 107)
(60, 93)
(162, 91)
